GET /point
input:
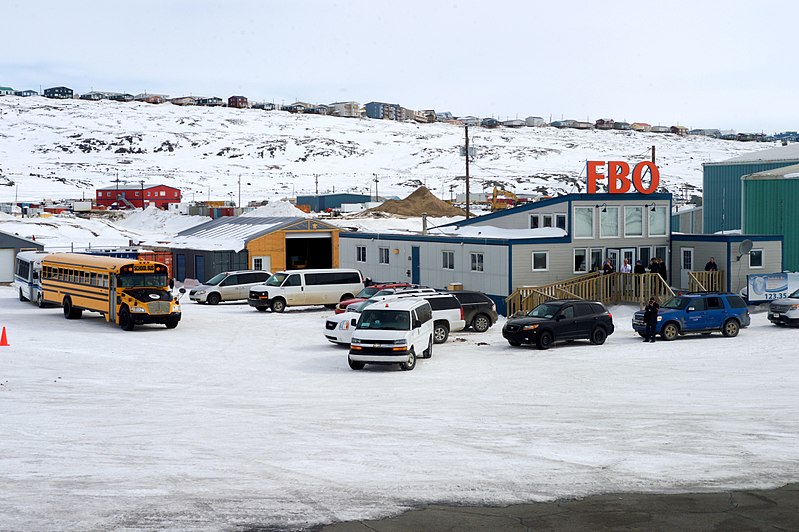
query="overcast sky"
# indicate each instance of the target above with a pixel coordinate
(712, 64)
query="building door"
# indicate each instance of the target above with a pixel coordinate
(415, 277)
(180, 267)
(199, 268)
(613, 255)
(629, 254)
(686, 265)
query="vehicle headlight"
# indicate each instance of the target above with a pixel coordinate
(344, 325)
(400, 342)
(138, 310)
(530, 327)
(355, 341)
(660, 318)
(793, 307)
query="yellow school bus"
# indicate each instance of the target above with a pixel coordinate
(128, 292)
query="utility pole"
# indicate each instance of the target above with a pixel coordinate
(239, 191)
(466, 131)
(142, 193)
(377, 196)
(653, 153)
(316, 183)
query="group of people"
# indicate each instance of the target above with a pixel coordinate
(656, 265)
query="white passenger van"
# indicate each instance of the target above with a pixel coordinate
(291, 288)
(27, 276)
(228, 286)
(393, 332)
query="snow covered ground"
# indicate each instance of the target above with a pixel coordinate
(241, 419)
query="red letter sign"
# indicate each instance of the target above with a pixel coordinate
(619, 176)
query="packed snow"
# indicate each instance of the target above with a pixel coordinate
(239, 419)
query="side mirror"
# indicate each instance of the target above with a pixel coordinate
(559, 317)
(354, 322)
(417, 324)
(182, 290)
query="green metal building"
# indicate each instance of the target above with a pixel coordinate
(770, 201)
(721, 183)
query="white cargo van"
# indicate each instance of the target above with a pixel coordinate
(393, 332)
(291, 288)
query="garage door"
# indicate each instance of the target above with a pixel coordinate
(7, 257)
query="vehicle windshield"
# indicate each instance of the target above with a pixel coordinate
(141, 279)
(678, 303)
(216, 279)
(358, 307)
(544, 311)
(385, 320)
(276, 279)
(795, 295)
(367, 292)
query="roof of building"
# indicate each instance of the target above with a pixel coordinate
(780, 153)
(138, 186)
(232, 233)
(784, 172)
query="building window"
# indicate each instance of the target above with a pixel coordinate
(609, 222)
(448, 260)
(547, 220)
(633, 221)
(660, 253)
(534, 221)
(645, 255)
(162, 193)
(560, 221)
(383, 255)
(657, 222)
(756, 258)
(596, 259)
(540, 261)
(477, 262)
(580, 260)
(360, 254)
(583, 222)
(257, 263)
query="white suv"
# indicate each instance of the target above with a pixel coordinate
(785, 311)
(228, 286)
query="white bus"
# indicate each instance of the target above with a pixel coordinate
(28, 276)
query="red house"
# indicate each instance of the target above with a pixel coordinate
(137, 196)
(237, 101)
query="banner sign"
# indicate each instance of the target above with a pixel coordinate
(770, 286)
(618, 176)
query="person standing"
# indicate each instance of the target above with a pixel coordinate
(711, 265)
(653, 266)
(625, 266)
(608, 266)
(662, 270)
(650, 320)
(639, 268)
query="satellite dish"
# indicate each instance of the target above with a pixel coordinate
(744, 248)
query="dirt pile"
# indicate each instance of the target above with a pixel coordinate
(421, 201)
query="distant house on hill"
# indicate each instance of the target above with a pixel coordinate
(184, 100)
(514, 123)
(151, 98)
(534, 121)
(120, 97)
(137, 196)
(239, 102)
(443, 116)
(489, 122)
(26, 93)
(660, 129)
(604, 123)
(345, 109)
(640, 126)
(383, 111)
(621, 126)
(59, 93)
(211, 102)
(679, 130)
(469, 120)
(563, 123)
(265, 106)
(6, 91)
(94, 95)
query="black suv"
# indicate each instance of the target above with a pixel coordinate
(479, 311)
(555, 321)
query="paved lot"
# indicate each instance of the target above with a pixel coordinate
(745, 510)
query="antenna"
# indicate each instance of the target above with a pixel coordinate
(744, 248)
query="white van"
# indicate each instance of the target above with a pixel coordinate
(393, 332)
(228, 286)
(27, 276)
(291, 288)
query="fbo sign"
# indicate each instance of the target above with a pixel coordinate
(618, 175)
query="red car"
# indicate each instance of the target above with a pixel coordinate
(368, 292)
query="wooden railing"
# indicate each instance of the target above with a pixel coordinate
(614, 288)
(707, 282)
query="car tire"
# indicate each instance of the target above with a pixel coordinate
(40, 300)
(278, 305)
(481, 323)
(410, 363)
(126, 320)
(545, 340)
(514, 344)
(261, 309)
(440, 332)
(214, 299)
(670, 331)
(598, 336)
(171, 323)
(355, 364)
(428, 353)
(21, 297)
(730, 328)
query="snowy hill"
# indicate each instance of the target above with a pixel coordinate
(66, 149)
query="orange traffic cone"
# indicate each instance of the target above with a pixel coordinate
(3, 339)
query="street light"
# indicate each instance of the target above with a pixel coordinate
(142, 193)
